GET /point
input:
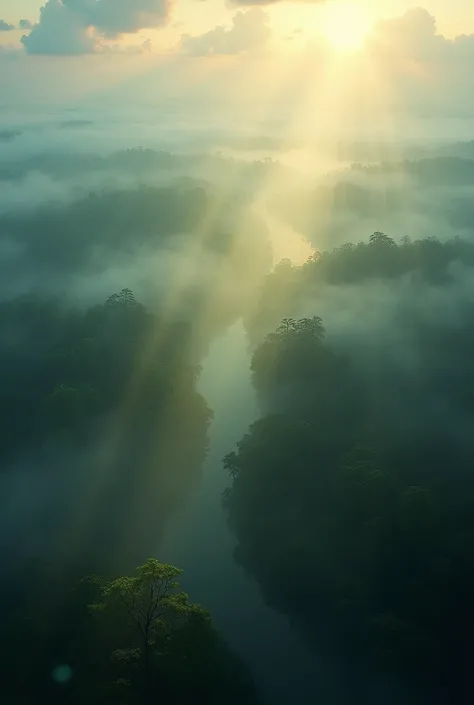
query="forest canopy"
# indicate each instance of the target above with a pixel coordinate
(350, 496)
(358, 477)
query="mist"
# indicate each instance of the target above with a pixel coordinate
(150, 248)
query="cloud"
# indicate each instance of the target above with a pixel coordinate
(114, 17)
(249, 32)
(71, 27)
(412, 35)
(5, 26)
(25, 24)
(415, 34)
(61, 31)
(408, 68)
(424, 67)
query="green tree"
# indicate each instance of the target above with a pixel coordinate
(145, 599)
(381, 239)
(132, 640)
(165, 646)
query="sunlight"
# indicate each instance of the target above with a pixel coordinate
(345, 25)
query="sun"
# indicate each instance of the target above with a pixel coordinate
(345, 25)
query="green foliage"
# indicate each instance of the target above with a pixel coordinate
(144, 597)
(295, 371)
(364, 494)
(140, 640)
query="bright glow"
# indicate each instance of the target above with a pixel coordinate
(345, 25)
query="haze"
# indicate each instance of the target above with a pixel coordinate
(236, 304)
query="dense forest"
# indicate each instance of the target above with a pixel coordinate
(104, 429)
(352, 497)
(236, 352)
(117, 432)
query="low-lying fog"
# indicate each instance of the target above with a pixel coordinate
(191, 217)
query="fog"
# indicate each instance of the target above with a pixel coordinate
(49, 171)
(193, 216)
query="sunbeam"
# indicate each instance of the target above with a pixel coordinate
(236, 335)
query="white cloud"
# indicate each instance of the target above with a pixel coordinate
(422, 67)
(250, 31)
(59, 31)
(71, 27)
(114, 17)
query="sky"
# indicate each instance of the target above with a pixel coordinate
(454, 17)
(342, 60)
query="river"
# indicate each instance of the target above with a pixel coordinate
(199, 541)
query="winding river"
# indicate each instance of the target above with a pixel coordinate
(199, 541)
